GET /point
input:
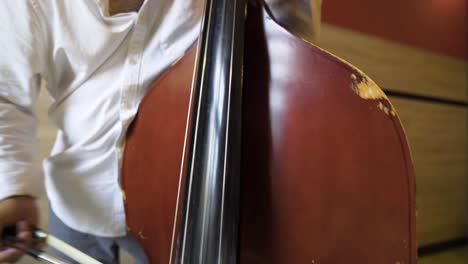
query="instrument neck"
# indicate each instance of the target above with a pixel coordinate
(209, 228)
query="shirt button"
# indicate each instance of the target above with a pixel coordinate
(126, 105)
(121, 142)
(132, 61)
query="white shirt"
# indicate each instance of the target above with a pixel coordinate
(98, 68)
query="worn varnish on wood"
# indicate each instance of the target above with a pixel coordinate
(399, 67)
(437, 132)
(326, 171)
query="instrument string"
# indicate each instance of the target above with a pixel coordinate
(184, 151)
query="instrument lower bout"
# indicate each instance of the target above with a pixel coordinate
(326, 174)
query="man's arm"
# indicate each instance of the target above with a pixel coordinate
(22, 63)
(300, 16)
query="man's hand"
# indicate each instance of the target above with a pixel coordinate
(21, 212)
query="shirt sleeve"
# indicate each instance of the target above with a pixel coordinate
(22, 64)
(300, 16)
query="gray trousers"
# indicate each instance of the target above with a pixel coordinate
(104, 249)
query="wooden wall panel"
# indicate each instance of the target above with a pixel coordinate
(454, 256)
(399, 67)
(437, 134)
(440, 26)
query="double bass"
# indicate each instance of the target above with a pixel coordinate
(259, 147)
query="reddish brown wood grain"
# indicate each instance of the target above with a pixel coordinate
(153, 158)
(326, 174)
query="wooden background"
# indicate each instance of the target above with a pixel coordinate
(416, 50)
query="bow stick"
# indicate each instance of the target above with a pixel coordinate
(40, 235)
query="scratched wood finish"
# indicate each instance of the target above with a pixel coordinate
(397, 66)
(437, 135)
(318, 160)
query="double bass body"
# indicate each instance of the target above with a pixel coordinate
(326, 174)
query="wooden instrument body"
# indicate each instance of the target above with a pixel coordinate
(326, 173)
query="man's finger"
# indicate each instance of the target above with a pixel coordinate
(23, 233)
(10, 255)
(22, 226)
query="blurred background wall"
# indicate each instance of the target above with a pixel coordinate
(417, 51)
